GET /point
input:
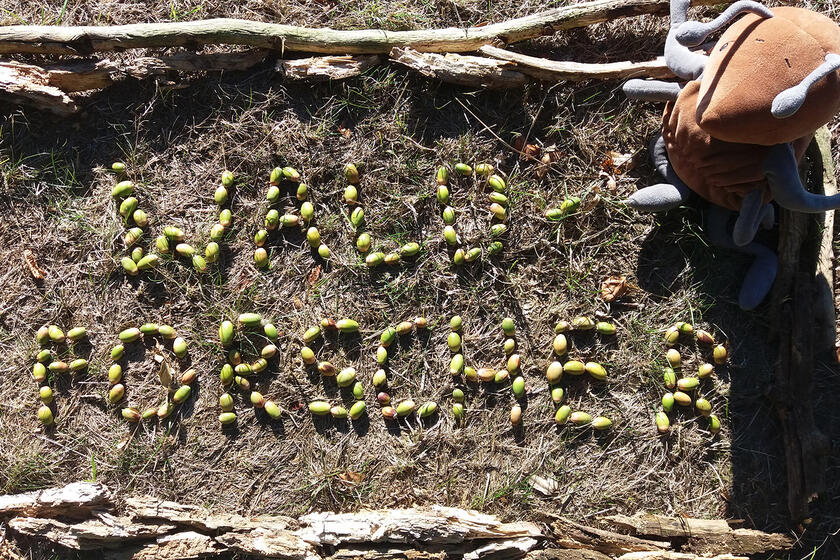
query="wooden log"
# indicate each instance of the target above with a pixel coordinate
(41, 39)
(703, 536)
(101, 531)
(268, 543)
(566, 554)
(470, 71)
(360, 552)
(29, 85)
(670, 555)
(826, 317)
(556, 70)
(76, 500)
(568, 534)
(186, 545)
(325, 68)
(794, 334)
(436, 525)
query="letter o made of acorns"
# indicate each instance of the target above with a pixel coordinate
(175, 395)
(252, 333)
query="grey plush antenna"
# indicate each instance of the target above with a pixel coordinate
(791, 100)
(693, 33)
(683, 62)
(782, 172)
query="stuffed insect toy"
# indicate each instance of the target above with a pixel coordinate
(736, 127)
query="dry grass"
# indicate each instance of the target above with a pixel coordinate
(55, 200)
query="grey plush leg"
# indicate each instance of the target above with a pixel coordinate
(761, 274)
(789, 101)
(651, 90)
(693, 33)
(663, 196)
(782, 174)
(768, 216)
(749, 218)
(683, 62)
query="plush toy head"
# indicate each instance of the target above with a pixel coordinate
(754, 61)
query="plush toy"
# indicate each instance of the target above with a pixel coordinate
(734, 131)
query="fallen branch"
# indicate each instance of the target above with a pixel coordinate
(324, 68)
(471, 71)
(39, 39)
(75, 500)
(90, 534)
(556, 70)
(826, 317)
(569, 534)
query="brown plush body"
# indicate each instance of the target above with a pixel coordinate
(736, 91)
(720, 172)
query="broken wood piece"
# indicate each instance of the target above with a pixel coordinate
(706, 536)
(361, 552)
(436, 525)
(556, 70)
(566, 554)
(85, 40)
(507, 549)
(261, 541)
(826, 317)
(568, 534)
(670, 555)
(75, 500)
(25, 84)
(101, 531)
(462, 70)
(178, 546)
(325, 68)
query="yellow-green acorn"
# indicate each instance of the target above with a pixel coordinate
(137, 254)
(357, 410)
(673, 358)
(44, 356)
(55, 334)
(122, 189)
(497, 183)
(149, 413)
(458, 395)
(703, 406)
(323, 251)
(601, 423)
(116, 393)
(513, 363)
(672, 335)
(663, 424)
(243, 369)
(78, 364)
(688, 384)
(358, 390)
(375, 259)
(498, 198)
(381, 355)
(560, 344)
(454, 342)
(380, 378)
(307, 211)
(165, 409)
(217, 232)
(114, 374)
(405, 408)
(583, 324)
(130, 414)
(580, 418)
(682, 399)
(392, 258)
(58, 367)
(132, 236)
(162, 244)
(714, 424)
(410, 249)
(346, 377)
(272, 410)
(46, 394)
(199, 264)
(448, 215)
(427, 409)
(307, 355)
(129, 266)
(498, 211)
(363, 243)
(226, 375)
(227, 178)
(470, 374)
(181, 394)
(669, 376)
(338, 412)
(272, 194)
(605, 328)
(458, 412)
(290, 220)
(518, 387)
(388, 336)
(459, 257)
(719, 354)
(554, 372)
(562, 414)
(167, 332)
(257, 399)
(226, 418)
(220, 195)
(185, 250)
(39, 372)
(174, 233)
(442, 176)
(270, 331)
(351, 173)
(574, 367)
(313, 237)
(42, 336)
(311, 334)
(705, 370)
(351, 195)
(596, 370)
(569, 205)
(509, 346)
(473, 254)
(347, 325)
(226, 218)
(450, 236)
(211, 252)
(463, 169)
(249, 320)
(130, 335)
(456, 364)
(268, 351)
(179, 346)
(148, 262)
(508, 326)
(483, 169)
(118, 167)
(557, 394)
(443, 195)
(117, 352)
(668, 402)
(302, 191)
(561, 327)
(45, 415)
(357, 217)
(319, 408)
(515, 414)
(501, 376)
(497, 230)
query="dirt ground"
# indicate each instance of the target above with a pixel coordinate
(398, 128)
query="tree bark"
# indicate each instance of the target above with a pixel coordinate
(325, 68)
(470, 71)
(75, 500)
(89, 39)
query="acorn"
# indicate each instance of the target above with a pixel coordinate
(307, 211)
(56, 334)
(39, 372)
(497, 230)
(486, 375)
(518, 387)
(596, 370)
(323, 251)
(714, 424)
(458, 412)
(291, 174)
(130, 414)
(185, 249)
(684, 328)
(673, 358)
(719, 354)
(513, 363)
(410, 249)
(130, 335)
(165, 409)
(76, 334)
(473, 254)
(358, 390)
(78, 364)
(405, 408)
(351, 195)
(179, 346)
(272, 220)
(374, 259)
(498, 211)
(128, 206)
(450, 236)
(604, 328)
(498, 198)
(601, 423)
(220, 195)
(515, 414)
(389, 412)
(383, 398)
(363, 243)
(227, 178)
(470, 374)
(663, 424)
(118, 167)
(351, 173)
(459, 257)
(380, 378)
(149, 329)
(392, 258)
(705, 370)
(427, 409)
(583, 323)
(501, 376)
(290, 220)
(257, 399)
(117, 352)
(270, 331)
(560, 345)
(456, 364)
(43, 336)
(494, 248)
(688, 384)
(682, 399)
(562, 414)
(483, 169)
(509, 346)
(569, 205)
(249, 320)
(668, 402)
(226, 402)
(272, 410)
(421, 323)
(45, 415)
(217, 233)
(442, 176)
(357, 218)
(116, 393)
(338, 412)
(149, 413)
(669, 377)
(346, 377)
(174, 233)
(457, 395)
(148, 262)
(313, 237)
(181, 394)
(463, 169)
(358, 410)
(508, 326)
(703, 406)
(496, 183)
(268, 351)
(448, 215)
(46, 394)
(443, 195)
(301, 192)
(272, 194)
(454, 342)
(557, 394)
(226, 375)
(561, 327)
(199, 264)
(311, 334)
(580, 418)
(226, 418)
(704, 337)
(44, 356)
(347, 326)
(211, 252)
(672, 335)
(327, 369)
(275, 176)
(574, 367)
(58, 367)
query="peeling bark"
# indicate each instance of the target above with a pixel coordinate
(102, 531)
(75, 500)
(470, 71)
(325, 68)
